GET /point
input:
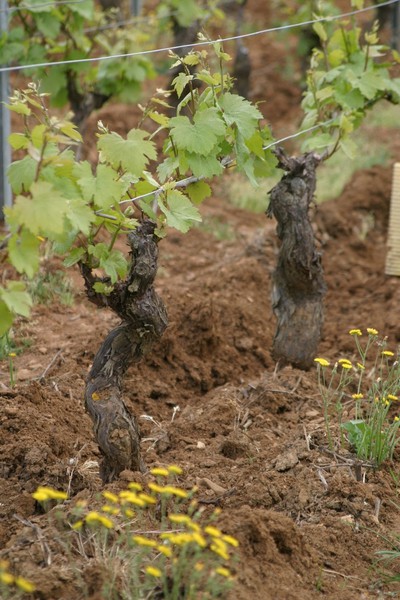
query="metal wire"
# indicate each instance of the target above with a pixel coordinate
(197, 44)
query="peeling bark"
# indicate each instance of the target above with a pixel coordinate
(144, 320)
(298, 285)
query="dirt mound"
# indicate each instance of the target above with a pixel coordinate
(304, 523)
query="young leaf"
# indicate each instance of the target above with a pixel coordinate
(74, 256)
(6, 318)
(180, 212)
(16, 298)
(44, 212)
(23, 252)
(238, 111)
(197, 192)
(201, 136)
(21, 174)
(132, 154)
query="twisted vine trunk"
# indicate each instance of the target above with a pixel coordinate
(144, 320)
(298, 285)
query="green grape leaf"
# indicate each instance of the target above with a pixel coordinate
(43, 213)
(23, 252)
(166, 168)
(238, 111)
(80, 215)
(70, 129)
(132, 154)
(202, 135)
(180, 82)
(6, 318)
(74, 257)
(85, 8)
(113, 262)
(204, 166)
(102, 288)
(180, 212)
(18, 141)
(16, 298)
(48, 24)
(21, 174)
(19, 107)
(197, 192)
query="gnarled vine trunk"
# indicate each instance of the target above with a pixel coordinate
(298, 285)
(144, 320)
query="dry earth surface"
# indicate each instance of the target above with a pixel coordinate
(307, 528)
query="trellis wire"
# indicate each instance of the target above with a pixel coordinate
(197, 44)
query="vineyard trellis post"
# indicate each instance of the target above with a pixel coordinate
(5, 127)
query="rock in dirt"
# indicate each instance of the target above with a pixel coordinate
(287, 460)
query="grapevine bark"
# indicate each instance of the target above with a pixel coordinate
(298, 285)
(144, 320)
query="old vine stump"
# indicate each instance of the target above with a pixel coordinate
(144, 320)
(298, 285)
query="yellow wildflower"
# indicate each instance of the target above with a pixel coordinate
(111, 510)
(25, 585)
(344, 360)
(220, 551)
(180, 519)
(392, 397)
(147, 499)
(43, 494)
(396, 418)
(194, 527)
(388, 353)
(170, 489)
(140, 540)
(355, 332)
(322, 361)
(175, 470)
(213, 531)
(154, 487)
(110, 497)
(346, 365)
(132, 498)
(372, 331)
(12, 354)
(360, 366)
(159, 471)
(223, 571)
(199, 566)
(129, 513)
(153, 571)
(95, 517)
(166, 550)
(133, 485)
(77, 525)
(95, 397)
(230, 540)
(40, 238)
(357, 396)
(6, 578)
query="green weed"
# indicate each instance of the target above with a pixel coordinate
(48, 287)
(152, 542)
(371, 383)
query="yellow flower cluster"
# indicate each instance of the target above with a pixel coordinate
(7, 578)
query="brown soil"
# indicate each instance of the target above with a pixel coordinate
(307, 528)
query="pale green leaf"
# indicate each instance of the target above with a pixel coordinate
(202, 135)
(238, 111)
(23, 252)
(180, 82)
(179, 211)
(197, 192)
(43, 213)
(6, 318)
(21, 174)
(16, 298)
(132, 154)
(204, 166)
(18, 141)
(80, 215)
(74, 256)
